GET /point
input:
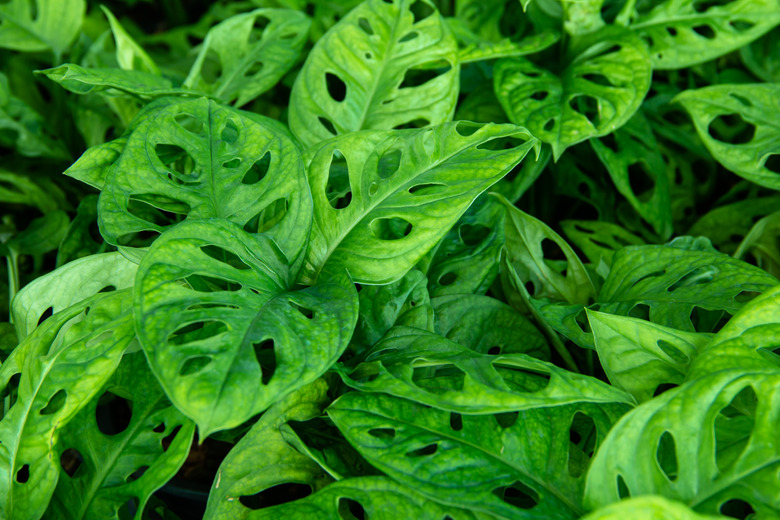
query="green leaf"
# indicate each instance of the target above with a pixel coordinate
(762, 57)
(63, 364)
(52, 24)
(749, 340)
(82, 80)
(263, 459)
(638, 356)
(526, 241)
(650, 507)
(247, 54)
(669, 282)
(753, 152)
(21, 189)
(727, 225)
(79, 240)
(511, 466)
(378, 498)
(93, 166)
(129, 55)
(233, 338)
(381, 67)
(199, 159)
(599, 240)
(68, 285)
(487, 326)
(761, 243)
(703, 444)
(472, 48)
(117, 467)
(43, 234)
(637, 168)
(429, 369)
(597, 92)
(376, 230)
(582, 17)
(681, 33)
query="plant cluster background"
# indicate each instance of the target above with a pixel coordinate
(446, 260)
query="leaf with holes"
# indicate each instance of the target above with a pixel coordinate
(377, 498)
(599, 240)
(727, 225)
(472, 48)
(405, 190)
(63, 364)
(69, 285)
(107, 459)
(710, 444)
(40, 25)
(224, 333)
(263, 469)
(637, 168)
(667, 283)
(647, 508)
(529, 244)
(598, 91)
(198, 159)
(527, 464)
(384, 65)
(682, 33)
(429, 369)
(638, 355)
(247, 54)
(749, 340)
(487, 326)
(739, 125)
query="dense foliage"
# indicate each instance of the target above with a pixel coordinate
(447, 260)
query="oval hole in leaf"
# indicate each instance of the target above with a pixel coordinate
(518, 495)
(588, 106)
(411, 35)
(268, 217)
(642, 184)
(194, 365)
(663, 387)
(666, 455)
(522, 379)
(699, 276)
(673, 352)
(422, 74)
(70, 461)
(467, 128)
(350, 509)
(772, 163)
(741, 25)
(46, 315)
(338, 188)
(582, 437)
(703, 5)
(23, 475)
(551, 250)
(266, 358)
(327, 125)
(258, 170)
(456, 421)
(506, 419)
(230, 133)
(135, 475)
(746, 296)
(226, 257)
(365, 26)
(276, 495)
(705, 30)
(734, 427)
(392, 228)
(382, 433)
(175, 158)
(113, 413)
(413, 124)
(55, 404)
(336, 87)
(737, 508)
(307, 313)
(622, 488)
(472, 235)
(598, 79)
(232, 163)
(731, 129)
(423, 452)
(447, 278)
(421, 10)
(197, 331)
(254, 69)
(501, 143)
(190, 123)
(549, 125)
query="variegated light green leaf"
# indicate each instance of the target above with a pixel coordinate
(649, 507)
(104, 469)
(402, 192)
(63, 364)
(519, 465)
(381, 67)
(638, 355)
(199, 159)
(681, 33)
(598, 92)
(223, 331)
(429, 369)
(248, 54)
(708, 442)
(754, 153)
(263, 459)
(52, 25)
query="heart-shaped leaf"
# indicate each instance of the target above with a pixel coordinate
(224, 334)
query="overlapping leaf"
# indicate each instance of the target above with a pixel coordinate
(650, 507)
(52, 25)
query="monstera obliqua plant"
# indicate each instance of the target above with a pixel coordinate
(388, 259)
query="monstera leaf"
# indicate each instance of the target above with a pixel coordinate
(599, 240)
(251, 52)
(706, 444)
(199, 159)
(384, 65)
(648, 508)
(60, 367)
(52, 25)
(681, 33)
(599, 90)
(752, 153)
(509, 465)
(399, 193)
(429, 369)
(81, 80)
(224, 334)
(104, 469)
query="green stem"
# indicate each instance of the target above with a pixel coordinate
(13, 278)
